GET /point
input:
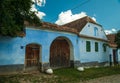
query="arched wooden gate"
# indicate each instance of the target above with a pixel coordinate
(60, 53)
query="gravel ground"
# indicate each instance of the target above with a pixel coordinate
(41, 79)
(106, 79)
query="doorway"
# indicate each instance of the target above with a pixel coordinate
(60, 53)
(32, 55)
(115, 58)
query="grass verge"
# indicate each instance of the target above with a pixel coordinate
(64, 75)
(71, 75)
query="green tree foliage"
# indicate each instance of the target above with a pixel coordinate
(13, 13)
(117, 39)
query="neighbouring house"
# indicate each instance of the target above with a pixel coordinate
(80, 43)
(114, 53)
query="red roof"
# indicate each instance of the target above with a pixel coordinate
(46, 25)
(111, 39)
(50, 26)
(80, 23)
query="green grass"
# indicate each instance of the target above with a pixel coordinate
(72, 75)
(64, 75)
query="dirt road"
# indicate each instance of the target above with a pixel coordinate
(106, 79)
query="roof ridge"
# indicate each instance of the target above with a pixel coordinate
(80, 23)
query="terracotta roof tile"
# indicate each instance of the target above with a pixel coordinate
(50, 26)
(111, 38)
(46, 25)
(80, 23)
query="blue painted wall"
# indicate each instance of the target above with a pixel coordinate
(12, 53)
(100, 56)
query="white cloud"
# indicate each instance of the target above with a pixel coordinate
(94, 19)
(40, 14)
(33, 8)
(68, 16)
(40, 3)
(111, 31)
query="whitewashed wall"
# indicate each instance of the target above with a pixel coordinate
(91, 56)
(89, 30)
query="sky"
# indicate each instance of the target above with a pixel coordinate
(104, 12)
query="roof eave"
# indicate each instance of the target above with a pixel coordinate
(89, 37)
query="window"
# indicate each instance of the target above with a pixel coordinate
(88, 46)
(96, 46)
(104, 47)
(95, 31)
(88, 25)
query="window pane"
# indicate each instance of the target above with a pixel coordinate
(96, 46)
(95, 31)
(104, 47)
(88, 46)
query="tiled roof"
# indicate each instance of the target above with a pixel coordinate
(111, 38)
(80, 23)
(46, 25)
(50, 26)
(74, 27)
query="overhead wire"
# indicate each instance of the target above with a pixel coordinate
(73, 8)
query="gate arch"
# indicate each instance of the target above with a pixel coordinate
(61, 52)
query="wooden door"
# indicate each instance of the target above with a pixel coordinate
(115, 57)
(32, 55)
(60, 54)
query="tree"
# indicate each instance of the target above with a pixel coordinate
(117, 39)
(13, 13)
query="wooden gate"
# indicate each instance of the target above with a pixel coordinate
(115, 57)
(60, 53)
(32, 55)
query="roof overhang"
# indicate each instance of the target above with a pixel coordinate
(94, 38)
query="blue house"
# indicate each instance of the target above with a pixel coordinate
(79, 43)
